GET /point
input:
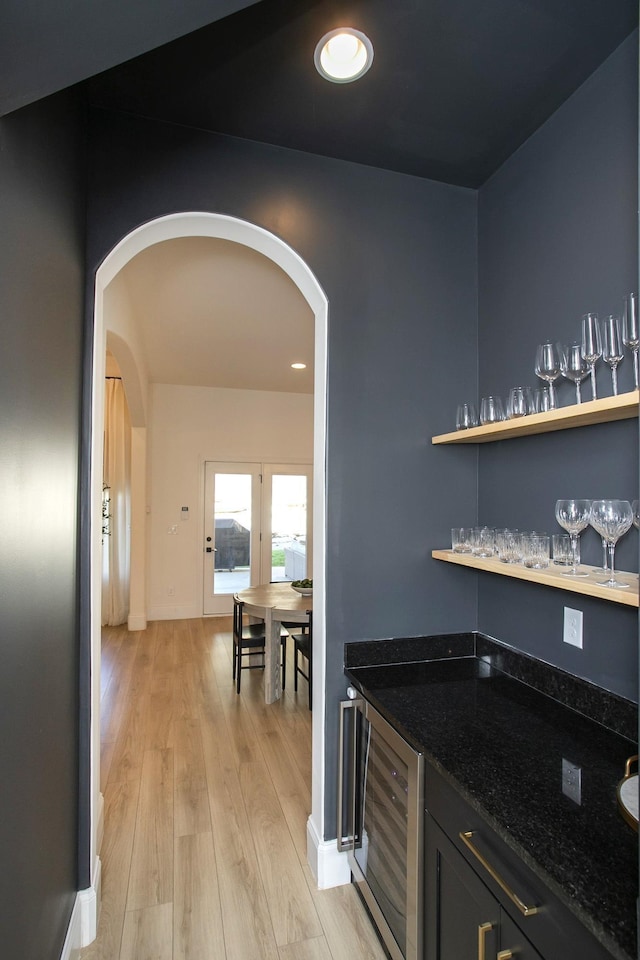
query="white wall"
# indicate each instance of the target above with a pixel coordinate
(187, 427)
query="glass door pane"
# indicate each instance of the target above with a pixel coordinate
(232, 530)
(287, 522)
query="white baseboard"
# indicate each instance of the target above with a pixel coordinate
(328, 865)
(186, 611)
(137, 622)
(83, 925)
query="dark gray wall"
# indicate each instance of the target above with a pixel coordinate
(47, 47)
(558, 238)
(41, 303)
(396, 257)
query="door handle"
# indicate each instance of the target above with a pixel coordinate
(524, 908)
(505, 955)
(483, 930)
(343, 842)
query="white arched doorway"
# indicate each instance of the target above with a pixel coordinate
(326, 863)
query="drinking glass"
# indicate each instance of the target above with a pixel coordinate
(519, 402)
(591, 346)
(461, 539)
(535, 551)
(548, 367)
(491, 410)
(611, 519)
(574, 367)
(562, 554)
(612, 348)
(509, 545)
(541, 400)
(466, 416)
(483, 542)
(573, 516)
(631, 331)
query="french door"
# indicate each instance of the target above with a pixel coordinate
(257, 528)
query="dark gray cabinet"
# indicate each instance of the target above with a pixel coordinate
(463, 920)
(482, 902)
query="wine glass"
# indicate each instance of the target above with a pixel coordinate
(612, 349)
(548, 367)
(631, 331)
(591, 346)
(573, 516)
(574, 367)
(636, 517)
(611, 519)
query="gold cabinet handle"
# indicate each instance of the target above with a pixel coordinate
(505, 955)
(483, 930)
(466, 837)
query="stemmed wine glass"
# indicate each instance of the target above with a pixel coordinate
(591, 346)
(612, 349)
(548, 367)
(631, 331)
(636, 517)
(574, 367)
(573, 516)
(611, 519)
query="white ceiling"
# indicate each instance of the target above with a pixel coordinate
(214, 313)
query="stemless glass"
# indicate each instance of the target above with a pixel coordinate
(591, 347)
(466, 416)
(548, 367)
(541, 400)
(631, 331)
(612, 348)
(574, 367)
(491, 410)
(611, 519)
(519, 402)
(573, 516)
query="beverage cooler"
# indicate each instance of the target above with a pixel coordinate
(380, 824)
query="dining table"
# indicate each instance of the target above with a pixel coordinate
(275, 603)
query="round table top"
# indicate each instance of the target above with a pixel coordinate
(280, 598)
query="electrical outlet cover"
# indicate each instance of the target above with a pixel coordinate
(572, 632)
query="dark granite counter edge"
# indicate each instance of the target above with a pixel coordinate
(501, 831)
(608, 709)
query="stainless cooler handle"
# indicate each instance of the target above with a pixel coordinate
(344, 843)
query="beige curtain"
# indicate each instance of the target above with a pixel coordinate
(117, 526)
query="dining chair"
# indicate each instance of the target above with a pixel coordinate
(303, 646)
(250, 639)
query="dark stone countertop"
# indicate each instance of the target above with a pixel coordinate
(500, 742)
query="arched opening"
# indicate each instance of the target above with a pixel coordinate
(260, 240)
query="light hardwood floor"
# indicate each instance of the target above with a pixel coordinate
(206, 799)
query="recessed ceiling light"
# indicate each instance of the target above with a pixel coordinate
(299, 366)
(343, 55)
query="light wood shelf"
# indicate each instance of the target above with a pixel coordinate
(622, 407)
(550, 577)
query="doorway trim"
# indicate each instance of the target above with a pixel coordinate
(325, 862)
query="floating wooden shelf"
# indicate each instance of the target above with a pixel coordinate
(551, 577)
(622, 407)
